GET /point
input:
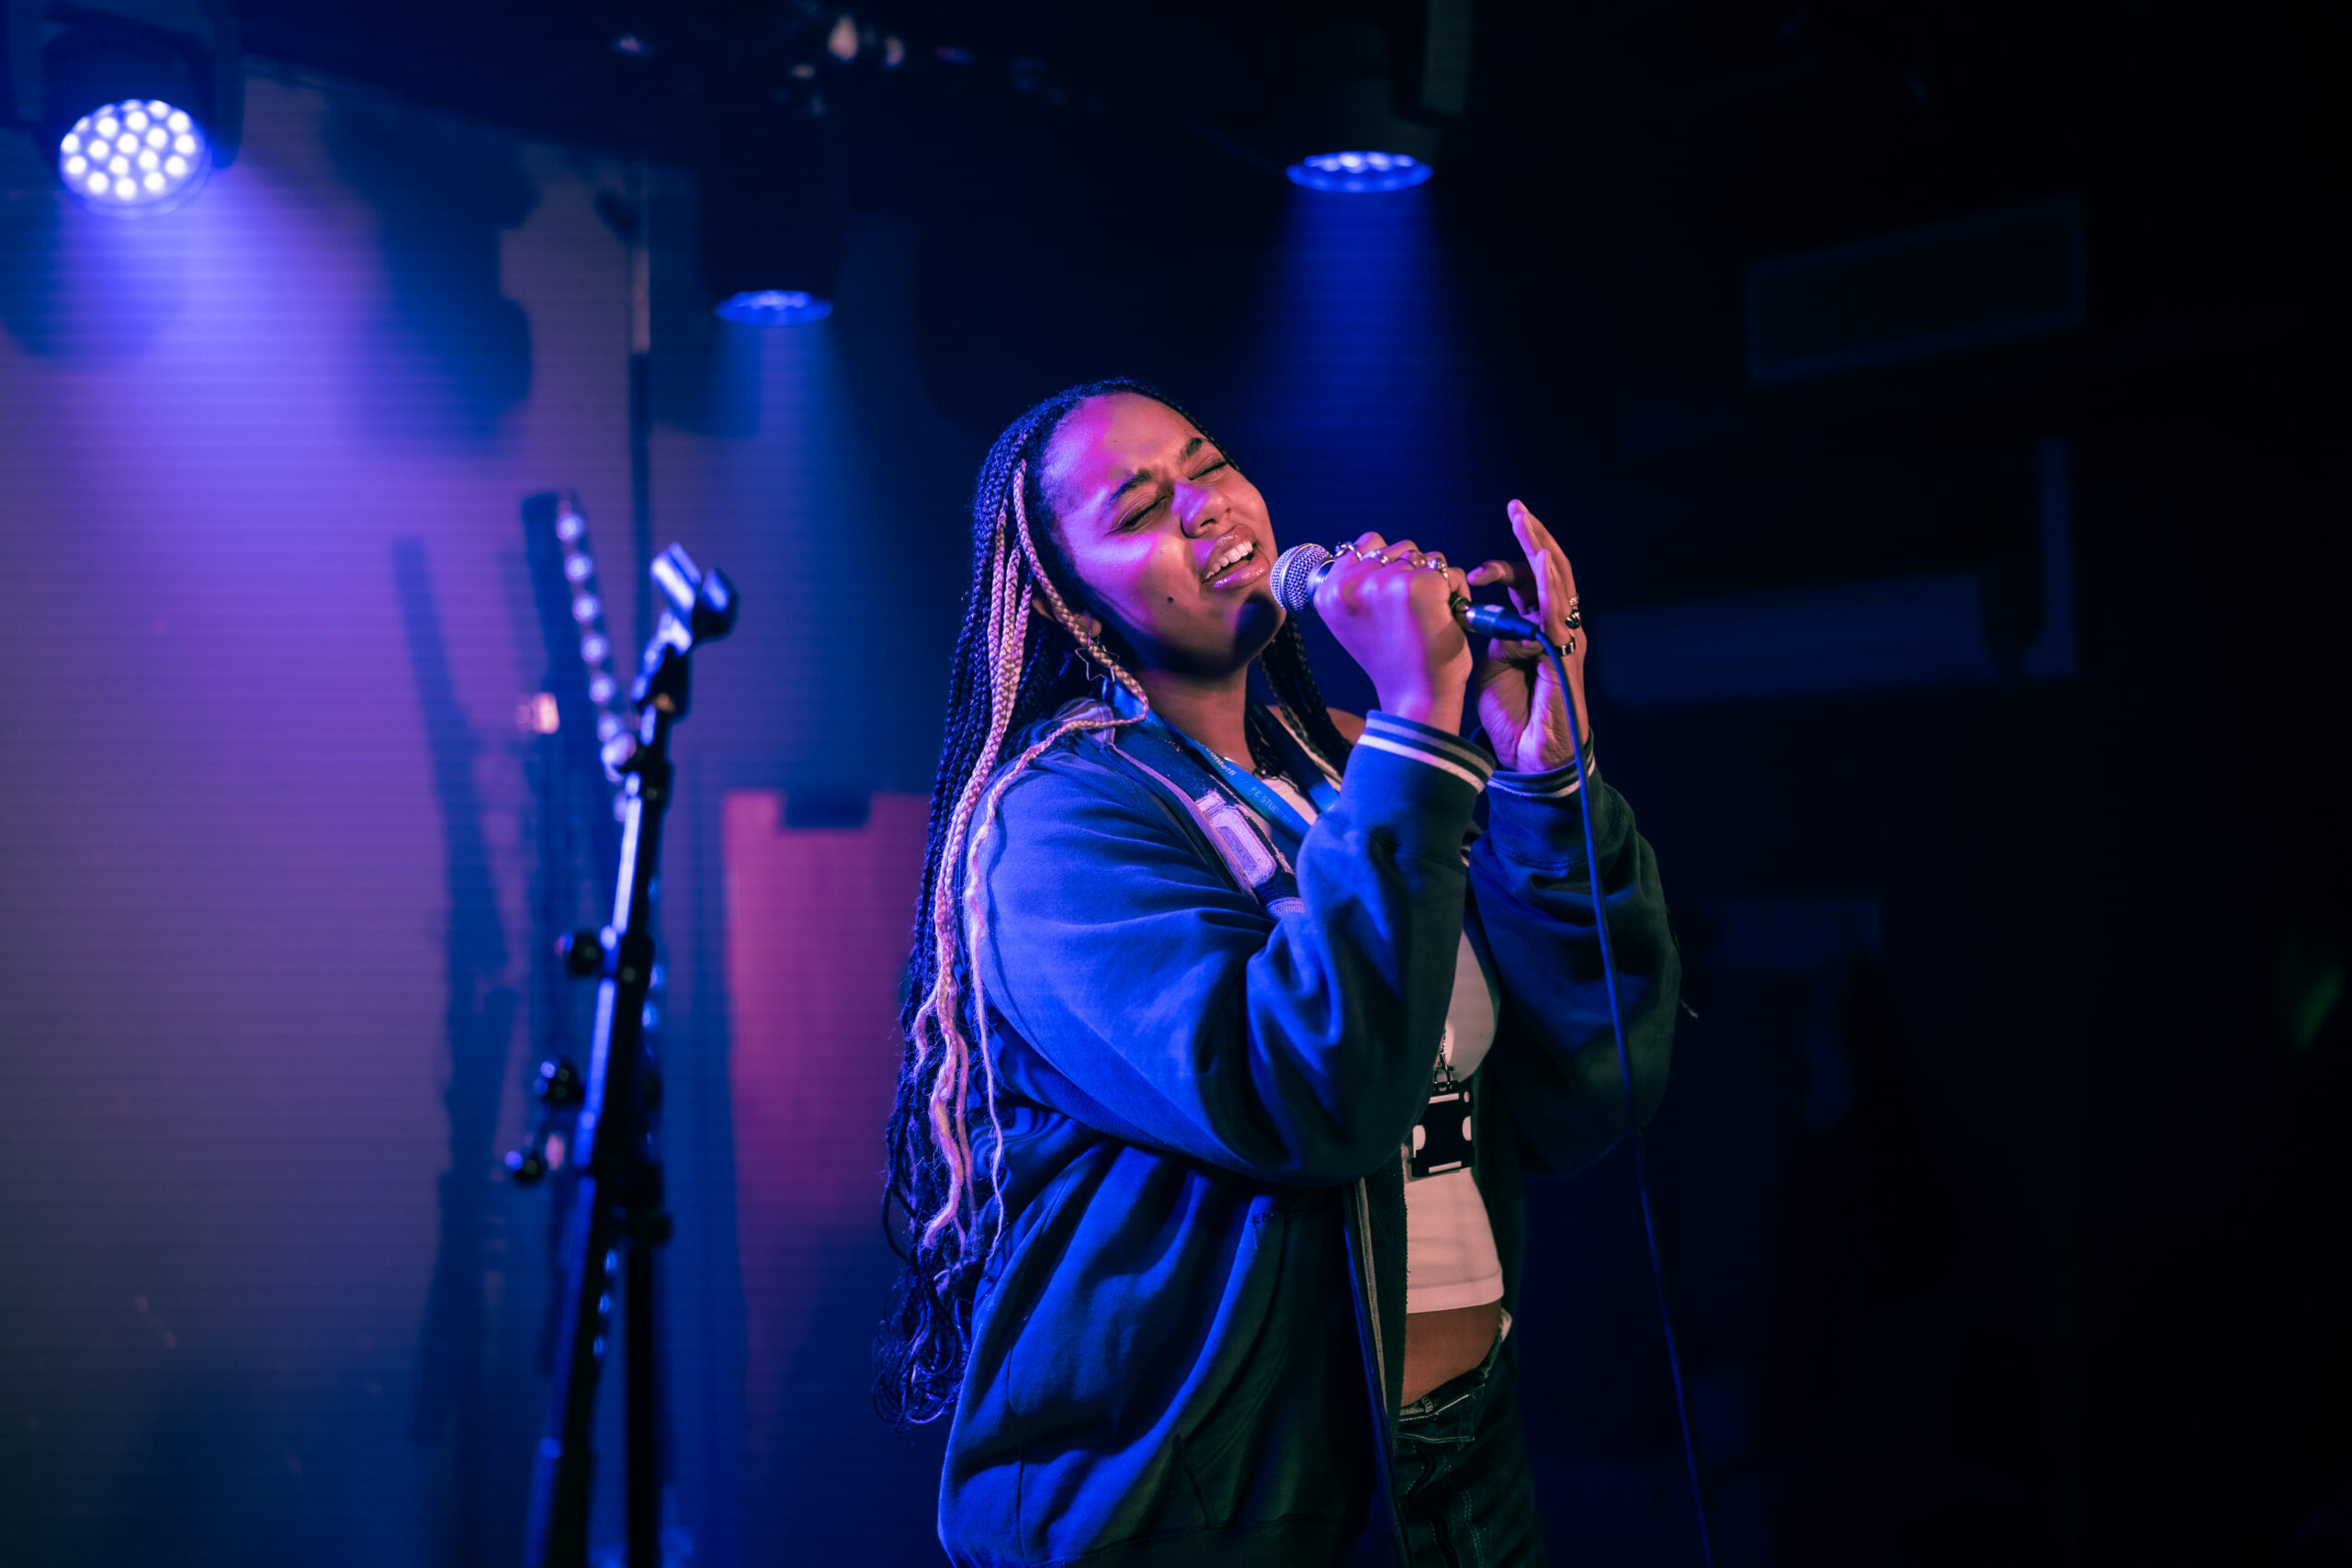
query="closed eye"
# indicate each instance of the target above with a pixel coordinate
(1145, 510)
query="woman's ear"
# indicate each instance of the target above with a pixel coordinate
(1045, 612)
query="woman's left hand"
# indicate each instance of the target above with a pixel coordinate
(1519, 701)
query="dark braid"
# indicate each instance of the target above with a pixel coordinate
(939, 1199)
(1293, 679)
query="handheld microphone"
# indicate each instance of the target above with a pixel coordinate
(1300, 570)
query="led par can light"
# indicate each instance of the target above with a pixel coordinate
(134, 116)
(1345, 131)
(774, 307)
(135, 157)
(1359, 171)
(772, 233)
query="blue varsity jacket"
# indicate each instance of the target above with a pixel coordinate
(1187, 1346)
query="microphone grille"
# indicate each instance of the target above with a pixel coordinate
(1294, 576)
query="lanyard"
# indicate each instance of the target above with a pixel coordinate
(1267, 802)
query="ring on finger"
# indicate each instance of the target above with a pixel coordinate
(1575, 614)
(1434, 560)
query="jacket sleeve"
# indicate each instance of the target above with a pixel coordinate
(1168, 1010)
(1558, 1054)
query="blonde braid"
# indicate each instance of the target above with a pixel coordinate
(940, 1008)
(975, 912)
(1011, 576)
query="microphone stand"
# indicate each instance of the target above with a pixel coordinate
(617, 1217)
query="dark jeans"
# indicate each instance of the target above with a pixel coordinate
(1463, 1485)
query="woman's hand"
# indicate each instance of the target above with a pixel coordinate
(1392, 608)
(1519, 701)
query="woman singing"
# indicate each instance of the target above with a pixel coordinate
(1224, 1052)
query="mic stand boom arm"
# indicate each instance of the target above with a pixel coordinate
(618, 1215)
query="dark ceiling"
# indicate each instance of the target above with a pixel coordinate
(1089, 199)
(1711, 130)
(1858, 111)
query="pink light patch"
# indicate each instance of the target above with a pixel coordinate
(818, 921)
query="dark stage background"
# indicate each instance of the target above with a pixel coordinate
(1982, 696)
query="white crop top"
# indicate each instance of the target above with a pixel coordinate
(1450, 1256)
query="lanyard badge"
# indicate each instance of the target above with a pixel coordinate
(1442, 1138)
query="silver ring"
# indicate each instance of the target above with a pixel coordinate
(1434, 560)
(1383, 558)
(1346, 549)
(1575, 614)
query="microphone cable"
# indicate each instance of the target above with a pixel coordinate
(1633, 1110)
(1299, 571)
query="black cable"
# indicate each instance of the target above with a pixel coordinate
(1632, 1111)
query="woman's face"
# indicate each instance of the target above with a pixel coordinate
(1171, 542)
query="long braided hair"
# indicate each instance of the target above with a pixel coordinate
(1013, 668)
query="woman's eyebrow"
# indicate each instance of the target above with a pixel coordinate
(1143, 477)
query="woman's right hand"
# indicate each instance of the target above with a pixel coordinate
(1395, 618)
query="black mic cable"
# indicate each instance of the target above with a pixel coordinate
(1297, 573)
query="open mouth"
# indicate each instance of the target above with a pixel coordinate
(1231, 558)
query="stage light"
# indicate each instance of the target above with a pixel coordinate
(136, 104)
(1363, 117)
(772, 227)
(134, 158)
(774, 307)
(1359, 171)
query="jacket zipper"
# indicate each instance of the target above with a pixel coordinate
(1368, 1283)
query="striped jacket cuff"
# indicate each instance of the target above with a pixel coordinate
(1424, 743)
(1555, 783)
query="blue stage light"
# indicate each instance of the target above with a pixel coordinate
(774, 307)
(1359, 171)
(134, 158)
